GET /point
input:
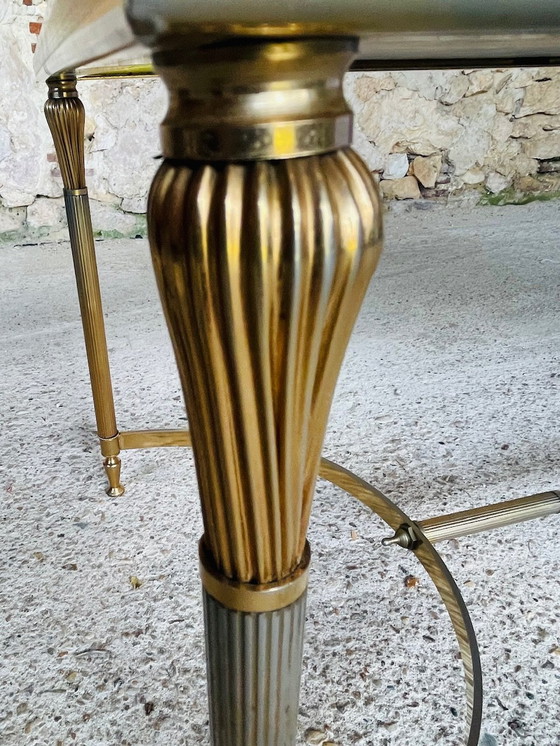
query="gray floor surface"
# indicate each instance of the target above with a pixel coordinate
(448, 399)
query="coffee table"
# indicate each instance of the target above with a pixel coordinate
(265, 229)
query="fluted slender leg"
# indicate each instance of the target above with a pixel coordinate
(65, 115)
(254, 665)
(265, 229)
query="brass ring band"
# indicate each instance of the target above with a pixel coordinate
(110, 446)
(259, 141)
(62, 85)
(76, 192)
(250, 597)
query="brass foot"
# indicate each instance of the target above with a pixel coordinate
(113, 470)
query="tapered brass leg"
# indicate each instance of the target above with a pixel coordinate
(65, 115)
(265, 229)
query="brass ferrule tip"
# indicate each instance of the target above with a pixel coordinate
(252, 597)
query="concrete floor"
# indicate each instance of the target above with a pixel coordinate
(448, 399)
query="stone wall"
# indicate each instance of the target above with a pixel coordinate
(489, 135)
(442, 133)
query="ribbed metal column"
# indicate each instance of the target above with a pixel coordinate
(89, 296)
(66, 117)
(265, 229)
(489, 517)
(254, 665)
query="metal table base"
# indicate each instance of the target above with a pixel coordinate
(254, 590)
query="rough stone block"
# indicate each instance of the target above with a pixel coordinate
(11, 221)
(544, 146)
(406, 188)
(541, 98)
(396, 166)
(46, 213)
(427, 169)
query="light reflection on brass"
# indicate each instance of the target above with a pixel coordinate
(489, 517)
(255, 101)
(265, 229)
(477, 520)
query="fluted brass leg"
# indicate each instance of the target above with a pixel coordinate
(265, 229)
(65, 116)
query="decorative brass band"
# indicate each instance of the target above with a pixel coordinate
(269, 140)
(63, 85)
(110, 446)
(255, 100)
(251, 597)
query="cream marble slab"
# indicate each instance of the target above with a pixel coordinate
(390, 30)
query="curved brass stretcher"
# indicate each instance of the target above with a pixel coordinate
(413, 536)
(419, 538)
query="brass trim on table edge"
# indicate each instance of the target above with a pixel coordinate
(361, 64)
(252, 597)
(117, 71)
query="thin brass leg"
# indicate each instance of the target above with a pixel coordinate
(265, 229)
(65, 116)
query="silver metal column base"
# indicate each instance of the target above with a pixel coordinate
(254, 671)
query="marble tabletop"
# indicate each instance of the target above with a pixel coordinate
(393, 33)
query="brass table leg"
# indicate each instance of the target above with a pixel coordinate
(65, 115)
(265, 229)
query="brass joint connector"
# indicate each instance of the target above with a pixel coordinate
(404, 536)
(110, 446)
(252, 597)
(255, 100)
